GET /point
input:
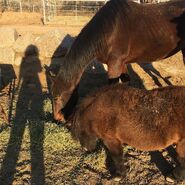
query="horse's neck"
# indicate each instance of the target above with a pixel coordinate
(78, 58)
(83, 51)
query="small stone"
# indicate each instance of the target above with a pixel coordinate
(165, 153)
(23, 42)
(170, 179)
(7, 36)
(117, 179)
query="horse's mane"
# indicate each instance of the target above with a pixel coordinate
(90, 98)
(92, 38)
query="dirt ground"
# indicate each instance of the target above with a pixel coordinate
(35, 150)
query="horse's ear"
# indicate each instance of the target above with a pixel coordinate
(49, 74)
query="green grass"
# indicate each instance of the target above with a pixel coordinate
(64, 160)
(49, 155)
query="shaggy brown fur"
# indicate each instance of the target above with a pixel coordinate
(146, 120)
(121, 32)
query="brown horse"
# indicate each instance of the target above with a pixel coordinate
(146, 120)
(121, 32)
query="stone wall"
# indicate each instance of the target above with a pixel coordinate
(24, 55)
(54, 43)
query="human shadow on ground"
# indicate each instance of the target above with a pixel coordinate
(29, 109)
(7, 79)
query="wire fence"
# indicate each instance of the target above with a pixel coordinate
(70, 8)
(76, 8)
(51, 9)
(21, 6)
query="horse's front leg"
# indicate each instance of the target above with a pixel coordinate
(179, 171)
(124, 75)
(114, 160)
(118, 71)
(114, 71)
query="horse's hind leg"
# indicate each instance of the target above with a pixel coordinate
(179, 171)
(115, 156)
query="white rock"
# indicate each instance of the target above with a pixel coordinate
(53, 43)
(7, 56)
(7, 36)
(23, 42)
(18, 61)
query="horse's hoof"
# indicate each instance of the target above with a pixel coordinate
(179, 173)
(170, 178)
(85, 149)
(119, 174)
(117, 179)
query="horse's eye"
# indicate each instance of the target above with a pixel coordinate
(55, 98)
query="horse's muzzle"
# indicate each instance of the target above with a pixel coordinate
(59, 117)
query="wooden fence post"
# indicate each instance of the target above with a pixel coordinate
(20, 5)
(44, 11)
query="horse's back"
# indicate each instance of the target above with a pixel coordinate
(127, 113)
(147, 32)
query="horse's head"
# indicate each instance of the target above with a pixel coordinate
(61, 93)
(57, 102)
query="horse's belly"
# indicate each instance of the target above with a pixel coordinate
(153, 48)
(150, 54)
(151, 141)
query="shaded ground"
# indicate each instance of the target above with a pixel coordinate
(35, 150)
